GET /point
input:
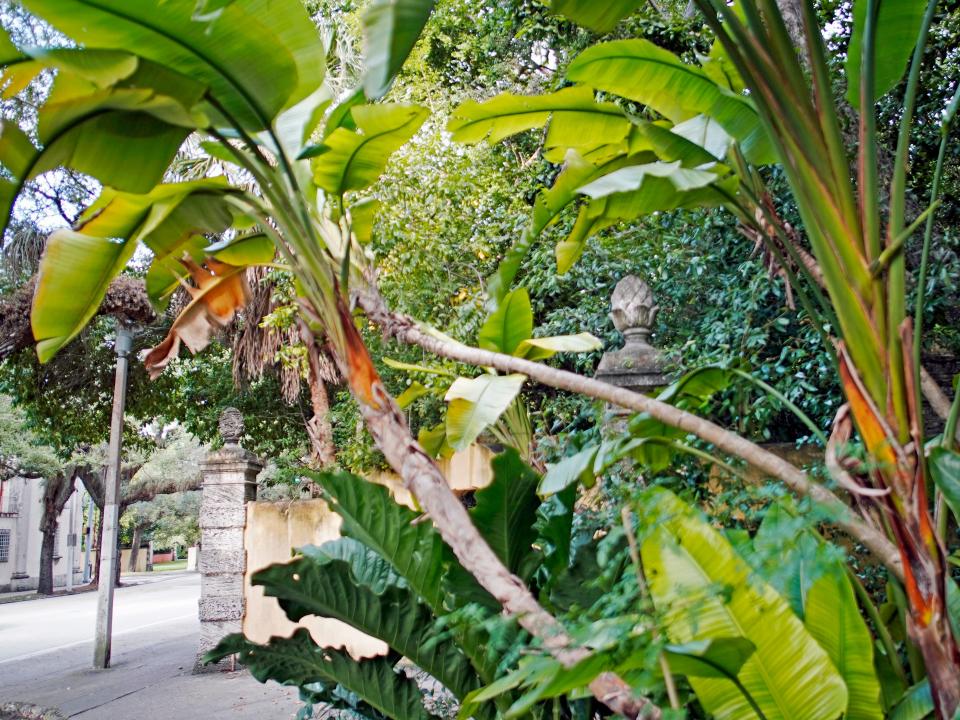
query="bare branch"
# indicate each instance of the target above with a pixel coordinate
(408, 331)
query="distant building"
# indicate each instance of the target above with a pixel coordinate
(20, 538)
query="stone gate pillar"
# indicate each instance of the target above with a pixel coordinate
(229, 481)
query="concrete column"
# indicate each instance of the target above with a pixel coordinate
(21, 504)
(229, 482)
(109, 546)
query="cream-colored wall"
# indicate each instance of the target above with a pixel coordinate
(273, 528)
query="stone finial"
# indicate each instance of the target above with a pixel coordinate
(632, 306)
(637, 366)
(231, 425)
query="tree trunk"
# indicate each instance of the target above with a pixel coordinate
(135, 549)
(47, 548)
(323, 451)
(56, 491)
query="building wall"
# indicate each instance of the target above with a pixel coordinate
(21, 510)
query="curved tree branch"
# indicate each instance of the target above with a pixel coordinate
(421, 476)
(408, 331)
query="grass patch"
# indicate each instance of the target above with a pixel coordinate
(174, 565)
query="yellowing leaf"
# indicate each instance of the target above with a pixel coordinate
(542, 348)
(477, 403)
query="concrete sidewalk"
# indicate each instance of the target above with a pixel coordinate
(48, 661)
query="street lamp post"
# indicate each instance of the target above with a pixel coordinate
(108, 545)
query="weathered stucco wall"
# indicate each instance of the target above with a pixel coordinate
(273, 528)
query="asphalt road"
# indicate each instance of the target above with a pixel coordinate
(46, 650)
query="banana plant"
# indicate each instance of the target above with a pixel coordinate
(771, 93)
(393, 578)
(248, 77)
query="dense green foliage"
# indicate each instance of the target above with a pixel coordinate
(632, 155)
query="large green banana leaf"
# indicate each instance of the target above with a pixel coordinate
(477, 403)
(509, 325)
(705, 590)
(324, 585)
(576, 119)
(225, 55)
(349, 160)
(897, 27)
(297, 660)
(506, 513)
(390, 30)
(98, 135)
(640, 71)
(600, 16)
(811, 576)
(73, 279)
(834, 620)
(77, 267)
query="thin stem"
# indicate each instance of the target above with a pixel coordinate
(867, 154)
(866, 602)
(627, 518)
(893, 248)
(950, 431)
(801, 415)
(945, 128)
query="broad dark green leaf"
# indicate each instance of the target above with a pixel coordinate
(600, 16)
(509, 325)
(390, 30)
(506, 512)
(297, 660)
(368, 567)
(354, 160)
(916, 703)
(898, 24)
(257, 58)
(944, 467)
(639, 70)
(321, 584)
(372, 516)
(570, 470)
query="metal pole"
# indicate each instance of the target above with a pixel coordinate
(86, 553)
(111, 521)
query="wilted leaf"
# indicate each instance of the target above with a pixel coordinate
(220, 291)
